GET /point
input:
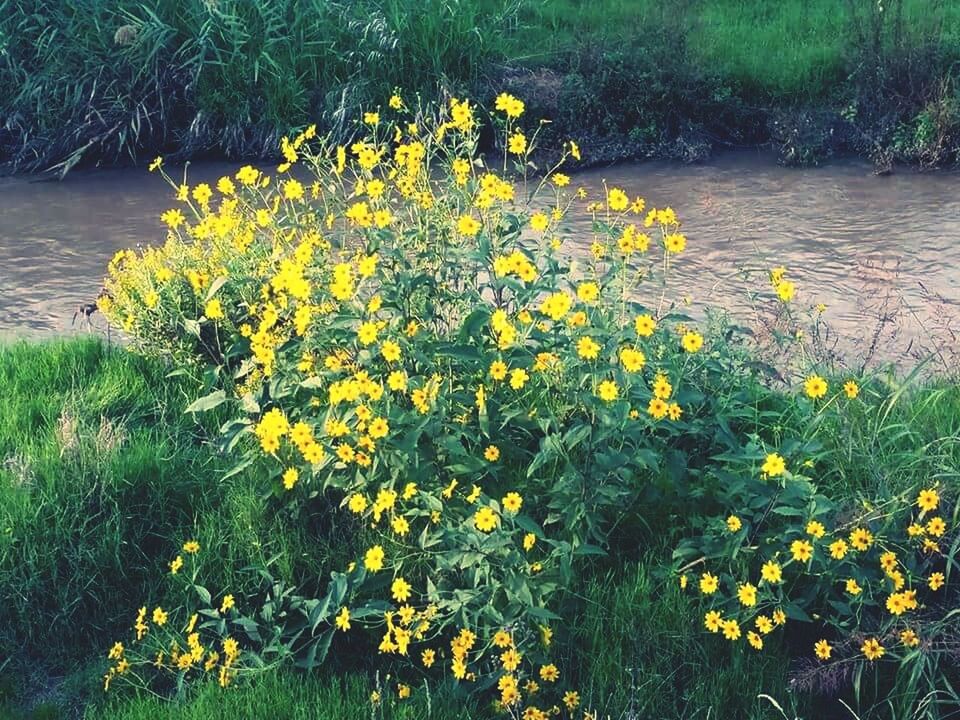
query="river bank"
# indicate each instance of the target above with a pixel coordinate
(630, 80)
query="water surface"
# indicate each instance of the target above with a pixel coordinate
(863, 245)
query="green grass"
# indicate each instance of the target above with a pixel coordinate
(82, 80)
(784, 49)
(285, 696)
(102, 477)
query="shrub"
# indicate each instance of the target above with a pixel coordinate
(397, 330)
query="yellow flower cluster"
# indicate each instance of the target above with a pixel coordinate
(409, 311)
(847, 556)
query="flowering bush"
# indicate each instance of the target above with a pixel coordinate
(395, 328)
(872, 583)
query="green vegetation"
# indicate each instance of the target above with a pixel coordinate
(105, 81)
(100, 463)
(632, 618)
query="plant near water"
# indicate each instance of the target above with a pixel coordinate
(398, 332)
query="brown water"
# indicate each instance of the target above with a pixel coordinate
(863, 245)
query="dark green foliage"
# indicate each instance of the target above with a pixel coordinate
(86, 81)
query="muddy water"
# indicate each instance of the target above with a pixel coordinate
(865, 246)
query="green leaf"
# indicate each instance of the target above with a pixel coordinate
(207, 402)
(203, 594)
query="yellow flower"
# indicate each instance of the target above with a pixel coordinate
(713, 621)
(390, 351)
(529, 540)
(872, 649)
(588, 292)
(909, 638)
(492, 453)
(816, 529)
(518, 378)
(587, 348)
(213, 309)
(756, 642)
(747, 594)
(822, 649)
(549, 673)
(785, 290)
(468, 225)
(539, 222)
(608, 391)
(373, 560)
(357, 503)
(400, 589)
(617, 200)
(517, 143)
(692, 342)
(292, 190)
(801, 550)
(191, 547)
(657, 408)
(936, 581)
(861, 539)
(851, 389)
(509, 105)
(764, 624)
(395, 103)
(853, 587)
(290, 477)
(928, 500)
(838, 549)
(815, 387)
(632, 360)
(159, 616)
(367, 333)
(371, 118)
(709, 583)
(731, 629)
(773, 465)
(511, 502)
(675, 242)
(771, 572)
(227, 604)
(343, 619)
(644, 325)
(378, 428)
(485, 520)
(936, 527)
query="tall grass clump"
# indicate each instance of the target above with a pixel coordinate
(113, 82)
(105, 82)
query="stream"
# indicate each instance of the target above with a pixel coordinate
(875, 250)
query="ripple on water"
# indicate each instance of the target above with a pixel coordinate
(850, 238)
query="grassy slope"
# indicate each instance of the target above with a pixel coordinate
(114, 512)
(98, 462)
(115, 515)
(233, 75)
(788, 49)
